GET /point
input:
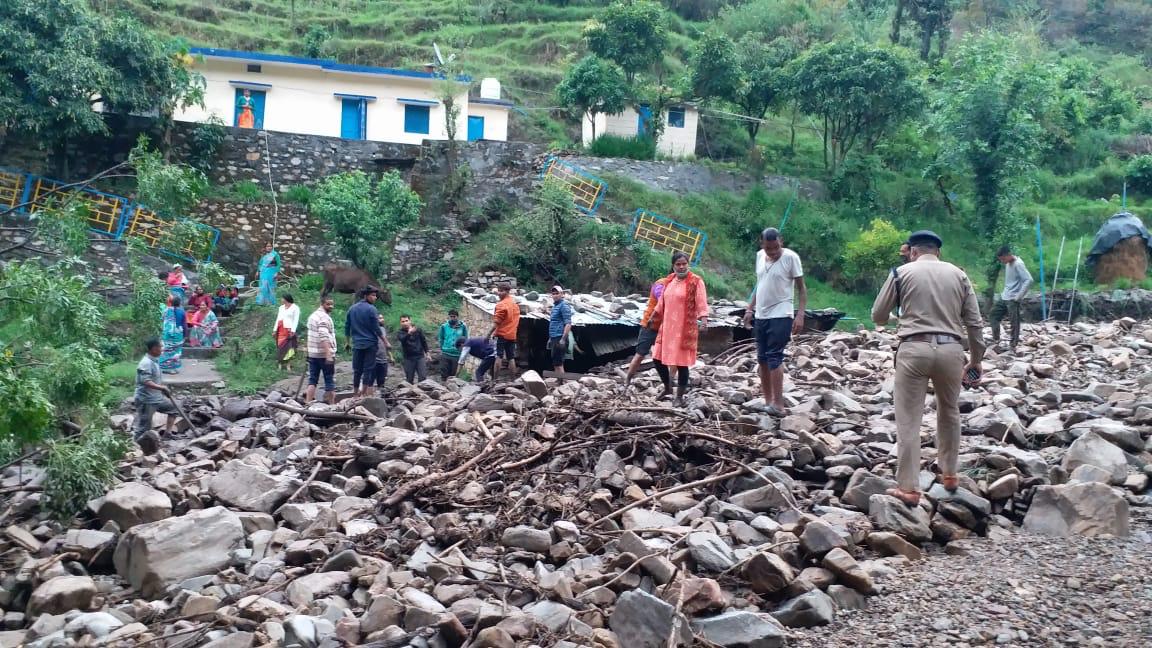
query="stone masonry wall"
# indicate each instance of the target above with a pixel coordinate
(246, 227)
(689, 177)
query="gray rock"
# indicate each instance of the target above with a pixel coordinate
(862, 486)
(741, 629)
(62, 594)
(552, 615)
(890, 514)
(244, 486)
(97, 624)
(765, 498)
(234, 640)
(889, 544)
(607, 465)
(1077, 509)
(848, 571)
(659, 567)
(534, 384)
(972, 501)
(768, 573)
(1114, 432)
(383, 612)
(307, 631)
(302, 591)
(1087, 473)
(647, 519)
(847, 598)
(134, 503)
(710, 551)
(807, 611)
(1093, 449)
(819, 538)
(525, 537)
(152, 556)
(1005, 487)
(641, 620)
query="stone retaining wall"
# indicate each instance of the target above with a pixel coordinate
(684, 178)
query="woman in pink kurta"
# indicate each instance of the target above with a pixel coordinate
(683, 311)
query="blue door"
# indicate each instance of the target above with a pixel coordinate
(475, 128)
(643, 119)
(352, 120)
(257, 107)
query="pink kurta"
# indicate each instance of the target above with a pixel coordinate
(674, 325)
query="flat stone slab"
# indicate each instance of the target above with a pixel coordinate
(194, 373)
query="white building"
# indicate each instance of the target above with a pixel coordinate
(319, 97)
(677, 140)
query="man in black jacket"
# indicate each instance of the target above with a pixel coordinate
(414, 346)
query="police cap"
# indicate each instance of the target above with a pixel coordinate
(925, 237)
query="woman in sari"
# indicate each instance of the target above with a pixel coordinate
(683, 311)
(247, 118)
(269, 270)
(287, 319)
(176, 282)
(205, 331)
(172, 336)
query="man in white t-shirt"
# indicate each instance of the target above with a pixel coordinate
(778, 274)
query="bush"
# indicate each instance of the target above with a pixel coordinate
(310, 283)
(1139, 174)
(868, 258)
(245, 191)
(204, 141)
(819, 238)
(614, 146)
(362, 219)
(299, 194)
(1104, 181)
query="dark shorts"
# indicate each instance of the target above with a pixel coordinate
(381, 372)
(645, 341)
(363, 366)
(317, 366)
(144, 412)
(505, 349)
(772, 336)
(559, 351)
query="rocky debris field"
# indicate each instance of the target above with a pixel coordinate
(537, 513)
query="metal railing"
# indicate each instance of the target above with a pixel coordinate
(108, 215)
(587, 190)
(666, 234)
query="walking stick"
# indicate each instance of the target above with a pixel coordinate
(300, 383)
(179, 409)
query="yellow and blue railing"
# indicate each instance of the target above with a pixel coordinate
(668, 235)
(108, 214)
(587, 190)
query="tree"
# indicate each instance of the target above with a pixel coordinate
(361, 218)
(71, 59)
(932, 18)
(593, 86)
(631, 33)
(859, 92)
(749, 74)
(315, 43)
(994, 98)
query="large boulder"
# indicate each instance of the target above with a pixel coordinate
(1095, 450)
(862, 486)
(807, 611)
(741, 630)
(890, 514)
(62, 594)
(1088, 509)
(133, 503)
(641, 620)
(248, 488)
(154, 555)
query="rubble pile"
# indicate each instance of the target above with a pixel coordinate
(572, 514)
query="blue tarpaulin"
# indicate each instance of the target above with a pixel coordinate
(1121, 226)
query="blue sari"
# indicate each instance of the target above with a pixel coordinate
(269, 268)
(172, 337)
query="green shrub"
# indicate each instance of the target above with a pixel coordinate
(636, 148)
(1139, 173)
(868, 258)
(310, 283)
(361, 218)
(299, 194)
(204, 141)
(246, 191)
(819, 238)
(1104, 181)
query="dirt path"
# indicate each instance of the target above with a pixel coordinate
(1020, 591)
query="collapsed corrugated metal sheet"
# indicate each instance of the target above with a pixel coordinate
(591, 310)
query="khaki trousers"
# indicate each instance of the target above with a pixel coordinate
(916, 364)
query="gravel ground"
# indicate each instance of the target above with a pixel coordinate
(1019, 591)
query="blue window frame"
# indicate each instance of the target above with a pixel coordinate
(676, 117)
(416, 119)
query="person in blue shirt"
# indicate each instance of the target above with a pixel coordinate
(362, 328)
(559, 326)
(481, 348)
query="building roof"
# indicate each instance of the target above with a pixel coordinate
(324, 64)
(490, 102)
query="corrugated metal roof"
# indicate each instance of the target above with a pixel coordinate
(592, 310)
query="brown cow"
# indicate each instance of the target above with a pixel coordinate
(344, 279)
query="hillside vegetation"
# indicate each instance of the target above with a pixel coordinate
(973, 117)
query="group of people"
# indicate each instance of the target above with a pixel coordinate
(196, 325)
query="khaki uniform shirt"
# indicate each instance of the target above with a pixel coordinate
(935, 298)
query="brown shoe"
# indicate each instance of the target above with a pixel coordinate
(950, 482)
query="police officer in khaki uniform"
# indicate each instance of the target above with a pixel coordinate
(937, 309)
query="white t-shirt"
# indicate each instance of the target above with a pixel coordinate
(774, 283)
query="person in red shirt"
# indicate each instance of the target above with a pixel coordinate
(649, 329)
(198, 297)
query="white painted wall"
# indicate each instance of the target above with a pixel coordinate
(301, 99)
(674, 142)
(495, 120)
